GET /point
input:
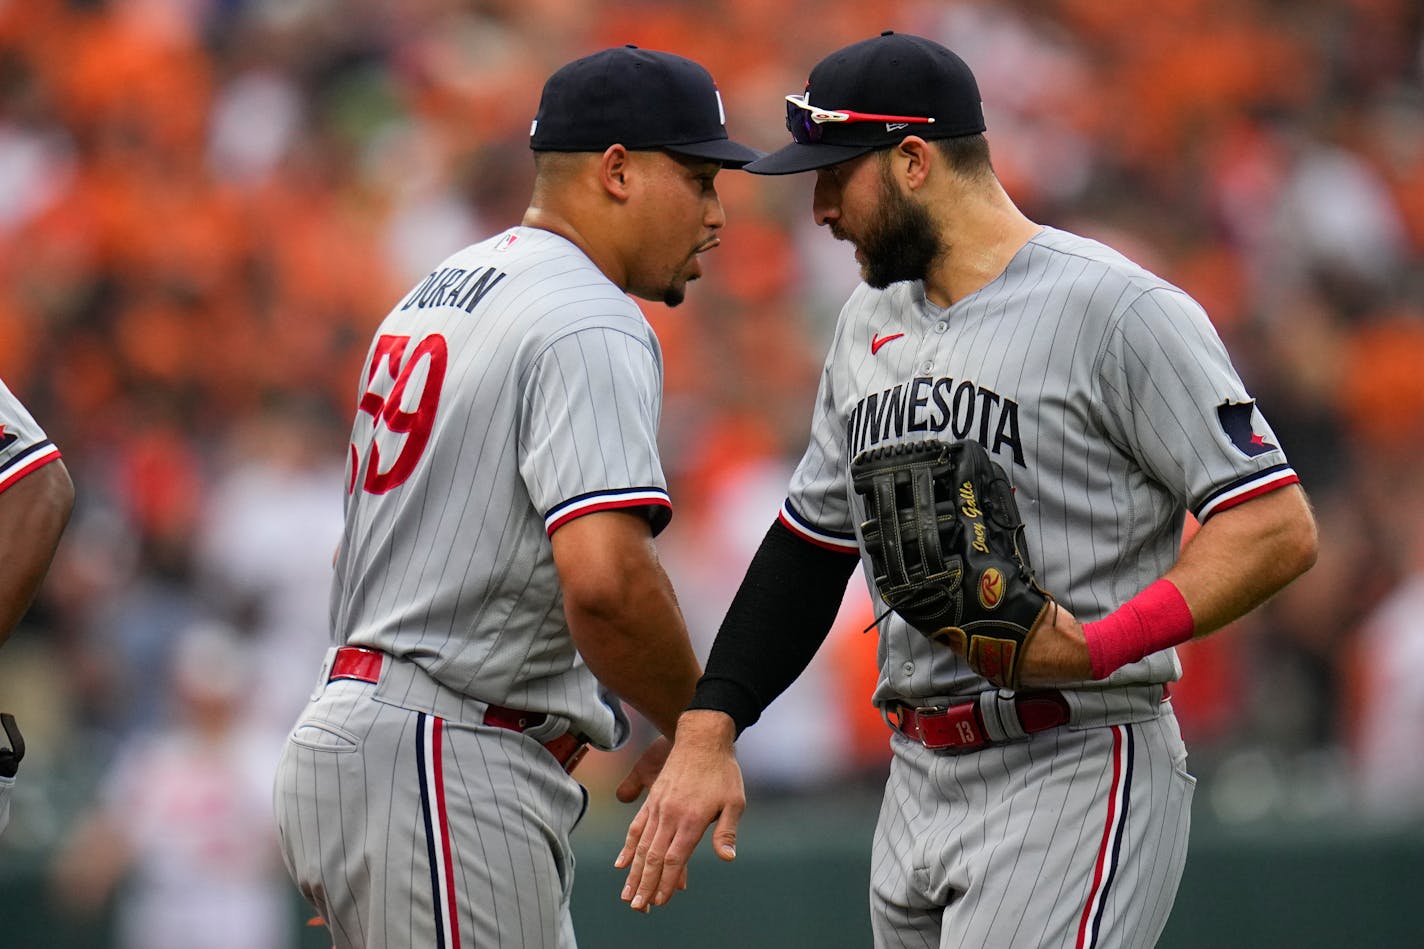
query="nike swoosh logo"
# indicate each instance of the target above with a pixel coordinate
(877, 341)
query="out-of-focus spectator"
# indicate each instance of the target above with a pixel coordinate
(1385, 709)
(1336, 221)
(182, 820)
(1388, 657)
(131, 575)
(264, 551)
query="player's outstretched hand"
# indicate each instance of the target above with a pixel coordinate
(700, 783)
(645, 771)
(1056, 651)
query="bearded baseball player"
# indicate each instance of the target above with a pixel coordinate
(497, 595)
(36, 496)
(1012, 423)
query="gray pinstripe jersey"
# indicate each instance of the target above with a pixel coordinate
(1104, 393)
(23, 444)
(512, 390)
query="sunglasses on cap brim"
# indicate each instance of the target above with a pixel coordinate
(807, 122)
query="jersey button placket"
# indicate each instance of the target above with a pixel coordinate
(931, 346)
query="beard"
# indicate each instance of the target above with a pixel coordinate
(901, 242)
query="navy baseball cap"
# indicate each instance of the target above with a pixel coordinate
(639, 98)
(872, 94)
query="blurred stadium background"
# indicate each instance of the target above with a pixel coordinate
(207, 205)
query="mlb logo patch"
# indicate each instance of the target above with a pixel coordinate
(1238, 422)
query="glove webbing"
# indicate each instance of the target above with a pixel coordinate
(926, 519)
(892, 539)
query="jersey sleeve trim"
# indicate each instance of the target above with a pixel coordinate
(36, 456)
(1244, 489)
(655, 499)
(830, 540)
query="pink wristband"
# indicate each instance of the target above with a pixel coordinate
(1155, 619)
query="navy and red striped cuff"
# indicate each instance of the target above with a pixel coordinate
(655, 499)
(838, 541)
(36, 456)
(1244, 489)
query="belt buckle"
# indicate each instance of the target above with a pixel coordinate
(950, 729)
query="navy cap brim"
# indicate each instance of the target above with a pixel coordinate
(797, 157)
(731, 154)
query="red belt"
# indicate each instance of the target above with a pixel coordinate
(364, 665)
(960, 728)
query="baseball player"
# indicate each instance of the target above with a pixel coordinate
(496, 591)
(36, 497)
(1056, 815)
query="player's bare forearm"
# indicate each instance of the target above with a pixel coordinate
(623, 616)
(644, 657)
(1243, 556)
(1234, 563)
(33, 513)
(700, 783)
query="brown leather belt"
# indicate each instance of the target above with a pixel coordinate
(364, 665)
(960, 728)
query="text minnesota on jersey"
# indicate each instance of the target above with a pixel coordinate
(938, 406)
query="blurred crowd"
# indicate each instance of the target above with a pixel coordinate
(207, 205)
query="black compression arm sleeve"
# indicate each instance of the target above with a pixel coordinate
(778, 619)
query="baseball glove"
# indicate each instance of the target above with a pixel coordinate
(946, 544)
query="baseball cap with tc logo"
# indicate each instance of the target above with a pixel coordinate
(641, 99)
(872, 94)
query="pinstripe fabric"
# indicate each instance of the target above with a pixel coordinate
(23, 445)
(1074, 838)
(407, 831)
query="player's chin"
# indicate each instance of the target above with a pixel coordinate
(676, 292)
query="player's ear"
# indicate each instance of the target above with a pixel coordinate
(615, 169)
(912, 160)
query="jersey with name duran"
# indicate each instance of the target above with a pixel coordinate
(1102, 391)
(23, 444)
(512, 390)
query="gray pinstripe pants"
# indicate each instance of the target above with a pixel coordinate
(408, 831)
(1073, 838)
